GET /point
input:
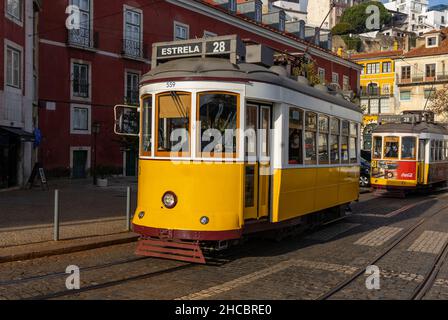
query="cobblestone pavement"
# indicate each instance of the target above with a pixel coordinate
(302, 267)
(26, 216)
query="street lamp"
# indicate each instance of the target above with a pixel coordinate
(95, 130)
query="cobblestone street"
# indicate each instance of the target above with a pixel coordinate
(402, 236)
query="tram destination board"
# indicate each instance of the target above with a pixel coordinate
(227, 46)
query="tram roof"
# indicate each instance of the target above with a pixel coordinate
(218, 69)
(421, 127)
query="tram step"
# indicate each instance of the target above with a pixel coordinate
(172, 250)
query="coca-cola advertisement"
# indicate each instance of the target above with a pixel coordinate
(395, 170)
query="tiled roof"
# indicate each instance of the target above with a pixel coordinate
(422, 51)
(378, 54)
(216, 6)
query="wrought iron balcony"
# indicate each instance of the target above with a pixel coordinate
(133, 49)
(375, 92)
(423, 78)
(80, 37)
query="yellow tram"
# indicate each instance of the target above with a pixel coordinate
(409, 152)
(229, 148)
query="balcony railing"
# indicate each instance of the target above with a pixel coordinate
(423, 78)
(80, 37)
(368, 92)
(132, 97)
(133, 49)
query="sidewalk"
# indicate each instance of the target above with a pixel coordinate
(86, 211)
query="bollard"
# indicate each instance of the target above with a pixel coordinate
(56, 216)
(128, 209)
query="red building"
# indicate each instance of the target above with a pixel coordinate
(18, 72)
(84, 72)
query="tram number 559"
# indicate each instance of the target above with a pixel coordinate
(171, 84)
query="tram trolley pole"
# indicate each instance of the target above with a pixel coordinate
(128, 208)
(56, 216)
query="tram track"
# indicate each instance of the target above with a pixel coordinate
(429, 279)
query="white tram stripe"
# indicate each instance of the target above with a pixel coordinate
(378, 237)
(430, 242)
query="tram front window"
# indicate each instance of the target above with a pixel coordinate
(377, 147)
(391, 147)
(408, 148)
(218, 114)
(173, 123)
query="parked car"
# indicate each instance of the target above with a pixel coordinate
(364, 178)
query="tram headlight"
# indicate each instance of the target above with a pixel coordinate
(141, 215)
(169, 200)
(205, 220)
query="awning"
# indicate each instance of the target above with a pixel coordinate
(24, 136)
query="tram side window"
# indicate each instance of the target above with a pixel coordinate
(353, 142)
(345, 142)
(334, 140)
(440, 150)
(433, 150)
(173, 124)
(408, 148)
(147, 125)
(310, 138)
(377, 147)
(218, 114)
(295, 136)
(324, 130)
(391, 147)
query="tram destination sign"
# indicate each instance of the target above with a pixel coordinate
(227, 46)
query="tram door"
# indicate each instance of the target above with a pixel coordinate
(422, 160)
(258, 161)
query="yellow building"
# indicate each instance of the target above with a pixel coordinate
(377, 87)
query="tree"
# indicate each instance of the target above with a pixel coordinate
(438, 101)
(354, 19)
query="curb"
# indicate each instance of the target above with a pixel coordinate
(47, 249)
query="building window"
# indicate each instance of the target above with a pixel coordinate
(385, 89)
(80, 80)
(208, 34)
(132, 86)
(321, 73)
(374, 106)
(80, 119)
(133, 31)
(405, 95)
(406, 73)
(346, 83)
(387, 67)
(13, 67)
(14, 9)
(428, 93)
(385, 105)
(82, 36)
(335, 77)
(430, 71)
(431, 41)
(181, 31)
(373, 68)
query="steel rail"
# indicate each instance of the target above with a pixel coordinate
(392, 246)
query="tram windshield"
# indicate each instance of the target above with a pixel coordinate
(377, 147)
(391, 147)
(408, 148)
(218, 114)
(173, 123)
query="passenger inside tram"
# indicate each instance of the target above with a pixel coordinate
(391, 147)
